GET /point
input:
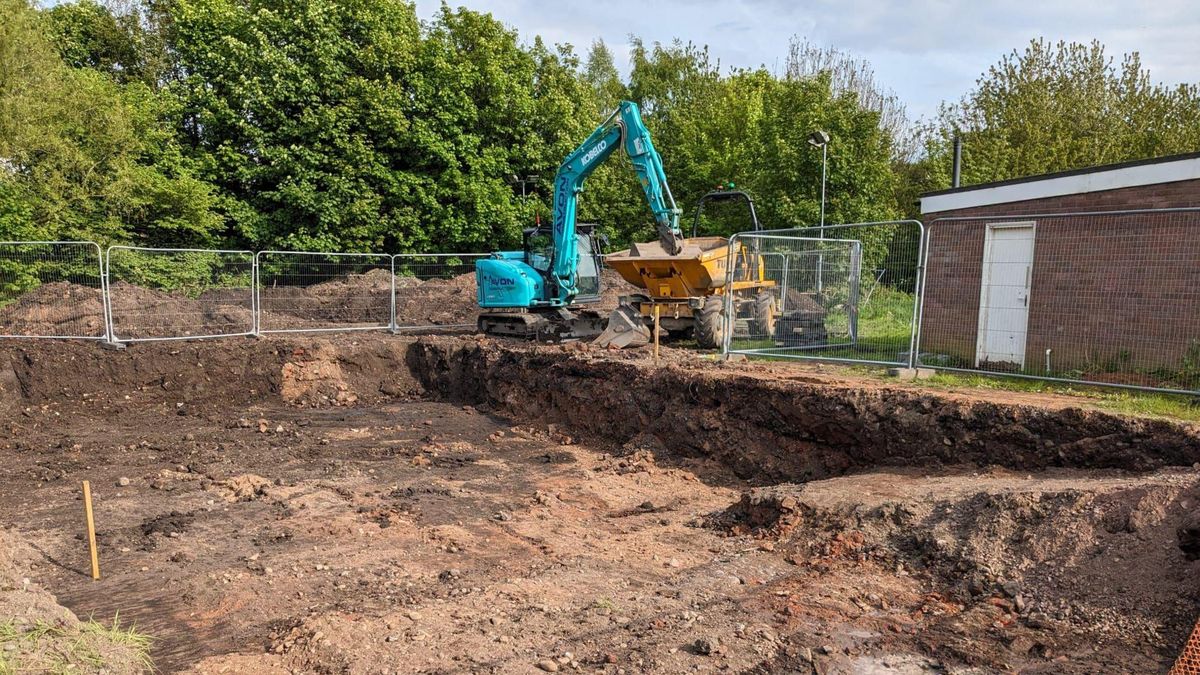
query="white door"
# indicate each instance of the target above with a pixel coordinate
(1004, 295)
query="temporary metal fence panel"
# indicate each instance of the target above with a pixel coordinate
(51, 289)
(304, 291)
(1188, 662)
(809, 299)
(842, 293)
(435, 290)
(178, 293)
(1109, 298)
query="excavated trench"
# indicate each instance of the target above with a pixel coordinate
(769, 425)
(1036, 524)
(772, 428)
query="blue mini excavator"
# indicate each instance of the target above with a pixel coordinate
(537, 292)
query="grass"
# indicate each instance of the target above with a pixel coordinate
(56, 649)
(604, 603)
(1115, 400)
(884, 331)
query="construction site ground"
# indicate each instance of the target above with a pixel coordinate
(374, 503)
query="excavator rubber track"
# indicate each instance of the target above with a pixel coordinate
(558, 325)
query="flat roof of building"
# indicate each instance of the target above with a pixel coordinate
(1079, 181)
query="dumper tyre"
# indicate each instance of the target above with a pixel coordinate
(709, 323)
(762, 323)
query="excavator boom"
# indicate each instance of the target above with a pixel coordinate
(531, 289)
(623, 128)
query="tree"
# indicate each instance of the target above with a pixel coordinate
(600, 73)
(1059, 107)
(848, 74)
(349, 126)
(89, 35)
(86, 158)
(860, 180)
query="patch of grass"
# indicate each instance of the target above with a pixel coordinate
(116, 634)
(884, 332)
(604, 603)
(55, 649)
(1114, 400)
(883, 335)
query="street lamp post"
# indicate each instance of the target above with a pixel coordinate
(820, 139)
(527, 180)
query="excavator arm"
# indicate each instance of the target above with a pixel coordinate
(623, 128)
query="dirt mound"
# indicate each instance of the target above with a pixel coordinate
(140, 312)
(376, 280)
(1064, 552)
(58, 308)
(359, 300)
(438, 302)
(613, 286)
(353, 300)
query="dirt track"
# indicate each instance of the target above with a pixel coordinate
(380, 504)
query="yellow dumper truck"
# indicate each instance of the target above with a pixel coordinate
(688, 288)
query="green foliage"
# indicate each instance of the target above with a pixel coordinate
(89, 35)
(85, 157)
(600, 73)
(345, 126)
(1061, 106)
(747, 127)
(353, 126)
(189, 273)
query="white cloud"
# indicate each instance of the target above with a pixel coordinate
(927, 50)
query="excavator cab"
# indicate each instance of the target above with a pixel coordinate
(538, 244)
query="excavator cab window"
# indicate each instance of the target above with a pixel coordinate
(539, 248)
(539, 252)
(590, 262)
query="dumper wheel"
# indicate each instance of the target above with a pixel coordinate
(709, 325)
(762, 324)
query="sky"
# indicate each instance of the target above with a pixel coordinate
(927, 51)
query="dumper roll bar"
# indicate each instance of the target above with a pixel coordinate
(720, 196)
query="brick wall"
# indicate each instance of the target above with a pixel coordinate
(1106, 292)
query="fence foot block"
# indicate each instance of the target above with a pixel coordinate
(912, 373)
(115, 346)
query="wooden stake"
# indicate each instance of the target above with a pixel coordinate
(657, 329)
(91, 527)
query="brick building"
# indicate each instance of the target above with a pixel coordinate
(1016, 280)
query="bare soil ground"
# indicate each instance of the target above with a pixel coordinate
(378, 504)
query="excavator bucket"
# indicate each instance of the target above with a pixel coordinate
(625, 329)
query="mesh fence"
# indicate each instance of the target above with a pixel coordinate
(436, 290)
(1189, 661)
(172, 294)
(306, 292)
(835, 293)
(1107, 298)
(51, 290)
